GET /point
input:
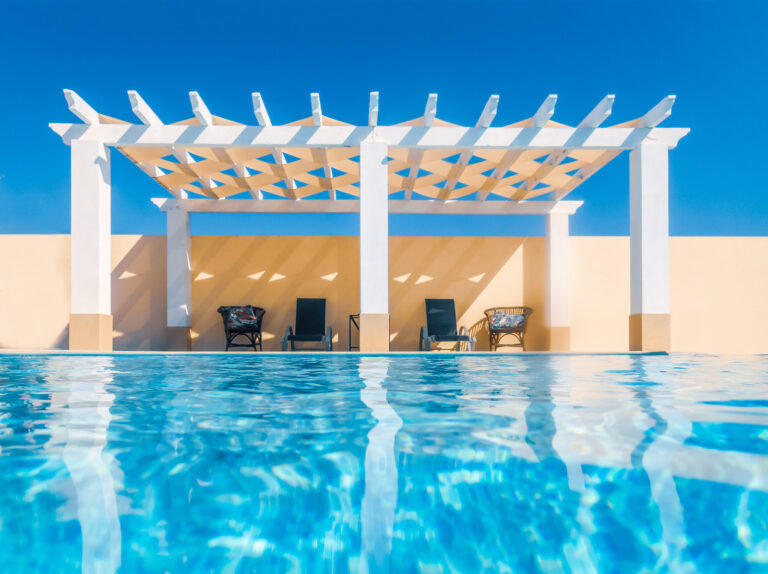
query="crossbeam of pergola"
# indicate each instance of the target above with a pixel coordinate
(322, 165)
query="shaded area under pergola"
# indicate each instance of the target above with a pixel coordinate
(322, 165)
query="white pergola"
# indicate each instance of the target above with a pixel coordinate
(322, 165)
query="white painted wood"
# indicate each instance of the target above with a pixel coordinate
(317, 110)
(374, 228)
(179, 279)
(373, 109)
(557, 305)
(262, 117)
(597, 116)
(414, 137)
(142, 110)
(313, 143)
(649, 229)
(260, 110)
(353, 206)
(601, 112)
(415, 156)
(80, 108)
(430, 111)
(545, 112)
(200, 109)
(484, 121)
(659, 113)
(91, 229)
(321, 156)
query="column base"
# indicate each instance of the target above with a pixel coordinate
(649, 332)
(90, 332)
(559, 339)
(178, 339)
(374, 332)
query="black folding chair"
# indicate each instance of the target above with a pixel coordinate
(441, 326)
(242, 321)
(310, 325)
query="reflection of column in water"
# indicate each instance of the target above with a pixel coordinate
(654, 454)
(380, 497)
(551, 403)
(87, 423)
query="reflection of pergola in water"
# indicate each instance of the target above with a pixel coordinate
(322, 165)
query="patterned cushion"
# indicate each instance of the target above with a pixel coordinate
(242, 318)
(503, 320)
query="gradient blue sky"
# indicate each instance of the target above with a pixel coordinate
(712, 54)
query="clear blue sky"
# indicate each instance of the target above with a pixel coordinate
(712, 54)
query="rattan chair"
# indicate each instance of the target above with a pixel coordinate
(495, 333)
(242, 321)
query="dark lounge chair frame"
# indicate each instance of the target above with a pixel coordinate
(441, 326)
(310, 326)
(495, 335)
(251, 332)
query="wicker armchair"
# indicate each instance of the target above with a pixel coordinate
(242, 321)
(496, 331)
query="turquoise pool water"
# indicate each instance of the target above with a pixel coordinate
(313, 463)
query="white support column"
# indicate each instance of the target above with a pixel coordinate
(374, 248)
(179, 281)
(557, 310)
(90, 326)
(649, 320)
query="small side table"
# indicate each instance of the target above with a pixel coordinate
(353, 320)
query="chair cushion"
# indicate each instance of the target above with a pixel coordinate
(503, 320)
(242, 319)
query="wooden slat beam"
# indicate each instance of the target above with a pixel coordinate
(593, 120)
(538, 121)
(200, 109)
(412, 137)
(353, 206)
(373, 109)
(416, 155)
(484, 121)
(80, 108)
(321, 155)
(262, 117)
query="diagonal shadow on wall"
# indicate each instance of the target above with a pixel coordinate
(271, 272)
(138, 292)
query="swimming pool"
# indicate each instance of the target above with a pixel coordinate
(259, 463)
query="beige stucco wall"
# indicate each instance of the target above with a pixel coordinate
(718, 288)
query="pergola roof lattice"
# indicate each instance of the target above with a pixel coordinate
(214, 157)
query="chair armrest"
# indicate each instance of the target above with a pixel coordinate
(284, 340)
(328, 338)
(463, 331)
(424, 342)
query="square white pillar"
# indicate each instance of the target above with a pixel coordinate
(91, 236)
(179, 280)
(649, 321)
(557, 312)
(374, 248)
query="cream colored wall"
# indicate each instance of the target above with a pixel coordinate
(718, 288)
(271, 272)
(34, 291)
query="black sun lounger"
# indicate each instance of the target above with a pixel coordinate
(441, 326)
(310, 325)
